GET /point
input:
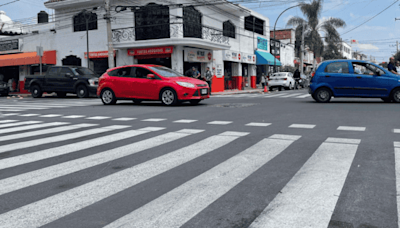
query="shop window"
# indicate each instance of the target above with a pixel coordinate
(229, 29)
(253, 23)
(152, 22)
(192, 26)
(80, 21)
(71, 60)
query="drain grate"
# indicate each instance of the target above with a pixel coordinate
(233, 105)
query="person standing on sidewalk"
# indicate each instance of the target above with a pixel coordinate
(391, 66)
(263, 80)
(208, 77)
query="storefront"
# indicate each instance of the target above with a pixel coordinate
(15, 67)
(99, 61)
(197, 58)
(154, 55)
(232, 77)
(248, 62)
(265, 62)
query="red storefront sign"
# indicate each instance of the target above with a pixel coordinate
(98, 54)
(151, 51)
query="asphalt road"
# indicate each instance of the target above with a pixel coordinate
(248, 160)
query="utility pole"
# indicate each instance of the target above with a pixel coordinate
(302, 50)
(109, 35)
(87, 17)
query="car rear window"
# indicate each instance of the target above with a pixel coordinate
(337, 67)
(279, 74)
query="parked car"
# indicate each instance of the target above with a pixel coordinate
(354, 78)
(62, 80)
(150, 82)
(4, 90)
(281, 80)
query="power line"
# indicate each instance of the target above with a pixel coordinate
(9, 3)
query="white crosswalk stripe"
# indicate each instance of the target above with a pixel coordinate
(268, 95)
(19, 106)
(308, 199)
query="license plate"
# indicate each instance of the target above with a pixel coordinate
(203, 91)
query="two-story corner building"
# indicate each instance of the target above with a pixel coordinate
(286, 52)
(177, 34)
(345, 49)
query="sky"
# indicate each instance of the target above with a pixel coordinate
(376, 38)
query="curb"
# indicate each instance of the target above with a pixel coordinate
(237, 92)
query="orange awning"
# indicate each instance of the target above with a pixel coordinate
(28, 58)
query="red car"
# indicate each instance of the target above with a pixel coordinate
(150, 82)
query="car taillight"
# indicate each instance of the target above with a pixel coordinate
(313, 73)
(285, 79)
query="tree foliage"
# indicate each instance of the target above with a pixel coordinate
(313, 26)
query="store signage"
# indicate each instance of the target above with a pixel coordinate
(197, 55)
(239, 57)
(10, 46)
(150, 51)
(98, 54)
(262, 43)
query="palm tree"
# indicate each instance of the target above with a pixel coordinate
(313, 26)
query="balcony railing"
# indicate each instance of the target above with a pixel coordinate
(123, 35)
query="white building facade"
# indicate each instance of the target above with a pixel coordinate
(177, 34)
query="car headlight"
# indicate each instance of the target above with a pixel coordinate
(186, 84)
(93, 81)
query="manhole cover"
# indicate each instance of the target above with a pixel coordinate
(233, 105)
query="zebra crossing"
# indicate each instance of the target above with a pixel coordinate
(307, 200)
(20, 106)
(268, 95)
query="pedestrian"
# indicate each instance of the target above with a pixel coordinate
(398, 66)
(195, 73)
(296, 77)
(391, 66)
(208, 77)
(263, 80)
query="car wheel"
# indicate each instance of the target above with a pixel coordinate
(386, 100)
(136, 101)
(396, 96)
(168, 97)
(322, 95)
(280, 89)
(61, 94)
(195, 102)
(36, 91)
(82, 91)
(108, 97)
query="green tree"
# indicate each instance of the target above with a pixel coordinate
(313, 27)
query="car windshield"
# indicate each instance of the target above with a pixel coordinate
(166, 72)
(81, 71)
(278, 74)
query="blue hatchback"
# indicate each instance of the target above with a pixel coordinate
(354, 78)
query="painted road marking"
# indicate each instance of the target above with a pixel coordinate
(305, 126)
(178, 206)
(7, 121)
(347, 128)
(397, 164)
(48, 173)
(185, 121)
(396, 130)
(285, 137)
(10, 114)
(290, 95)
(27, 115)
(54, 207)
(17, 124)
(73, 116)
(304, 96)
(258, 124)
(50, 115)
(154, 120)
(124, 119)
(314, 190)
(220, 122)
(34, 126)
(98, 118)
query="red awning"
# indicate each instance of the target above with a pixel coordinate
(28, 58)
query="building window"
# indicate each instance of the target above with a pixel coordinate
(152, 22)
(229, 29)
(192, 26)
(80, 21)
(252, 23)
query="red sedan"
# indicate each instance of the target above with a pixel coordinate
(150, 82)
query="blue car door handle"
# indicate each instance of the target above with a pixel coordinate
(359, 77)
(327, 76)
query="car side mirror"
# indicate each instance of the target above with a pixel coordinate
(68, 75)
(151, 76)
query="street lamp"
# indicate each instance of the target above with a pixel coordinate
(275, 29)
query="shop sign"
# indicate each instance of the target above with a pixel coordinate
(10, 46)
(218, 72)
(150, 51)
(248, 58)
(232, 56)
(98, 54)
(262, 43)
(197, 55)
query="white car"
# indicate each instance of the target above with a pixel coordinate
(281, 79)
